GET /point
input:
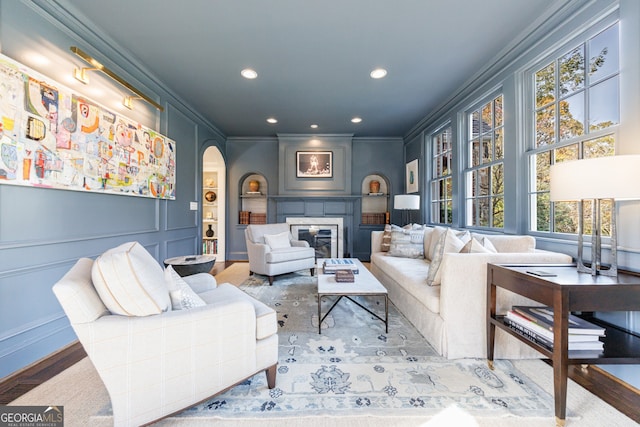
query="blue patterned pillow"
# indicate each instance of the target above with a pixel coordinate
(407, 243)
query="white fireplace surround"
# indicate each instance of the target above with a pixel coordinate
(336, 241)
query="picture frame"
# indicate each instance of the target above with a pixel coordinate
(412, 176)
(314, 164)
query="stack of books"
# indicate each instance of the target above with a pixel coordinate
(257, 218)
(373, 218)
(345, 276)
(331, 265)
(536, 323)
(244, 217)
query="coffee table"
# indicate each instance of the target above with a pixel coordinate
(365, 284)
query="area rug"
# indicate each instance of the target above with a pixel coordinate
(354, 368)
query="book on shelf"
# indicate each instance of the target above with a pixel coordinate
(244, 217)
(544, 332)
(548, 343)
(543, 316)
(254, 193)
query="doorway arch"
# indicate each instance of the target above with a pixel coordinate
(214, 207)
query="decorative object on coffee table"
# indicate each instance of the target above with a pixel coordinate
(345, 276)
(191, 264)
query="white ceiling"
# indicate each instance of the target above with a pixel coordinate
(313, 57)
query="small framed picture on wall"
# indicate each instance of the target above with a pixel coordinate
(314, 164)
(412, 176)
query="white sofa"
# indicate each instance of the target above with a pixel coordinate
(166, 348)
(452, 315)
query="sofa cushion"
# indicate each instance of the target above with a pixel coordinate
(266, 318)
(474, 245)
(291, 253)
(181, 295)
(278, 241)
(510, 244)
(407, 243)
(130, 281)
(449, 241)
(410, 273)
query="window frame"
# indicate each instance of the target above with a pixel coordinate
(471, 211)
(436, 199)
(532, 150)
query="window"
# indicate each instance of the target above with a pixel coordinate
(484, 175)
(441, 190)
(576, 114)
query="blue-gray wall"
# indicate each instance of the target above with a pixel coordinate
(337, 196)
(43, 232)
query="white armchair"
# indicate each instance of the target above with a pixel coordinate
(272, 250)
(159, 364)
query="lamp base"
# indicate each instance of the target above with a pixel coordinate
(596, 241)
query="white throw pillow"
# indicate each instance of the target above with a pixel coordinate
(278, 241)
(130, 281)
(436, 234)
(450, 241)
(483, 245)
(181, 294)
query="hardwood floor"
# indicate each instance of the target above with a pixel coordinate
(607, 387)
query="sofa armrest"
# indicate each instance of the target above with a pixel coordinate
(300, 243)
(201, 282)
(463, 296)
(376, 241)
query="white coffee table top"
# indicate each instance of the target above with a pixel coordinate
(365, 283)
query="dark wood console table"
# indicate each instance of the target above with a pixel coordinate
(566, 292)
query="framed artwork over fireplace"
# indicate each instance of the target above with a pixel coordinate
(314, 164)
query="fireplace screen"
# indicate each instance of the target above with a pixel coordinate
(323, 238)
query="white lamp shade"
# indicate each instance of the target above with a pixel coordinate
(611, 177)
(406, 202)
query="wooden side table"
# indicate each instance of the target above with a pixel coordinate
(565, 292)
(191, 264)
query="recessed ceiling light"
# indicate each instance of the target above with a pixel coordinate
(356, 120)
(248, 73)
(378, 73)
(314, 126)
(272, 120)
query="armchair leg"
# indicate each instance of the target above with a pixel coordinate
(271, 376)
(270, 280)
(313, 271)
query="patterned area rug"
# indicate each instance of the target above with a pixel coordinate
(355, 368)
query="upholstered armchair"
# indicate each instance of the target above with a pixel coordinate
(162, 343)
(272, 250)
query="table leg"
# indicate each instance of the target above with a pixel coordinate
(491, 327)
(560, 356)
(386, 314)
(319, 314)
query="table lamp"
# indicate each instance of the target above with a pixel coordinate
(406, 203)
(612, 177)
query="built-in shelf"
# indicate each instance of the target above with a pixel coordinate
(375, 204)
(253, 201)
(210, 212)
